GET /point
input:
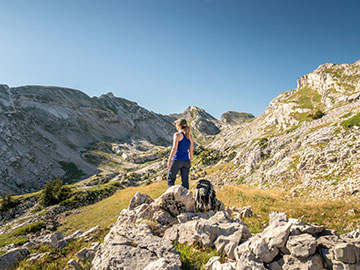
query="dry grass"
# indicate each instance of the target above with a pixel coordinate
(105, 212)
(331, 214)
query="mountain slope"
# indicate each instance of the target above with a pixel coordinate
(302, 141)
(44, 130)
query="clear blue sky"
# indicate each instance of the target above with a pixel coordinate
(219, 55)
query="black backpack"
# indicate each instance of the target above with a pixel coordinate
(205, 197)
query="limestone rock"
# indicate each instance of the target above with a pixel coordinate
(176, 200)
(134, 247)
(277, 218)
(311, 263)
(205, 232)
(162, 264)
(302, 246)
(261, 250)
(74, 264)
(86, 254)
(57, 240)
(90, 231)
(247, 261)
(184, 217)
(227, 244)
(12, 257)
(347, 253)
(138, 199)
(304, 227)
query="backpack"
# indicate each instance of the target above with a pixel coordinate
(205, 197)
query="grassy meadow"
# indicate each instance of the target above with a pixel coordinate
(333, 214)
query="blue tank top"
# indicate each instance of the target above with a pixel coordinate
(182, 149)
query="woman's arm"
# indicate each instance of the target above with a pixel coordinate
(174, 148)
(191, 150)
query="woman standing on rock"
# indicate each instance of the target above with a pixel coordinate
(181, 154)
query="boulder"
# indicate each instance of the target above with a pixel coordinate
(134, 247)
(12, 257)
(162, 264)
(215, 264)
(298, 225)
(261, 250)
(176, 200)
(206, 231)
(311, 263)
(347, 253)
(57, 240)
(86, 254)
(301, 246)
(277, 218)
(184, 217)
(276, 237)
(163, 217)
(248, 261)
(74, 264)
(138, 199)
(227, 244)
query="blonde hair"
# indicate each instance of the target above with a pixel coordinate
(182, 124)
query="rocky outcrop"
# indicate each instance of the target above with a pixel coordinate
(135, 247)
(293, 244)
(132, 244)
(218, 231)
(301, 141)
(139, 240)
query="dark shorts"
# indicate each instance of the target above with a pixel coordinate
(179, 165)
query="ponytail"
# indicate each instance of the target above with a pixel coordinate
(186, 131)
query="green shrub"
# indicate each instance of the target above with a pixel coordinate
(353, 121)
(54, 192)
(17, 236)
(208, 156)
(30, 228)
(7, 202)
(263, 142)
(195, 257)
(95, 193)
(317, 115)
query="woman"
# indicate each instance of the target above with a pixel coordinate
(181, 154)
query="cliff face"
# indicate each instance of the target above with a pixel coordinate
(44, 130)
